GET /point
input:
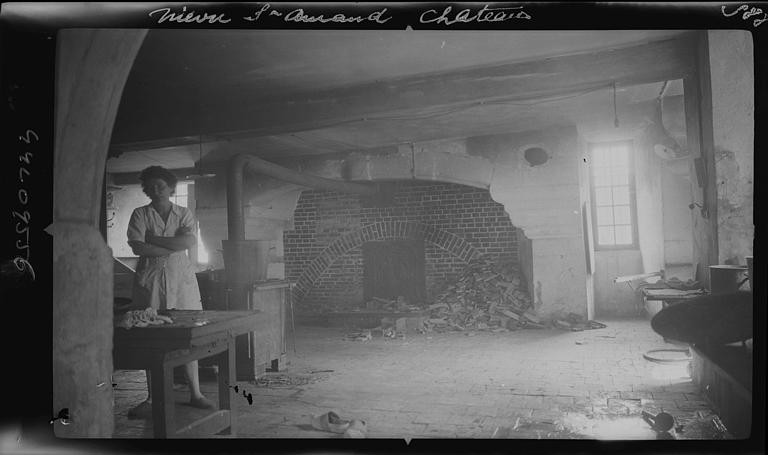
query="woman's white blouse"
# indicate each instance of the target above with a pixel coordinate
(164, 282)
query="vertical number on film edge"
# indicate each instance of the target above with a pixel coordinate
(22, 263)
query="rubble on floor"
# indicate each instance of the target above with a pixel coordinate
(386, 330)
(397, 305)
(488, 296)
(576, 323)
(273, 380)
(535, 429)
(363, 335)
(399, 327)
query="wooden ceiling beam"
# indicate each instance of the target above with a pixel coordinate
(551, 77)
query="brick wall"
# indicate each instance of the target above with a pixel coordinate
(323, 253)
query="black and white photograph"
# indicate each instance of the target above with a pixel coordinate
(402, 222)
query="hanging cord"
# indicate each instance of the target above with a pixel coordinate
(660, 99)
(663, 89)
(615, 111)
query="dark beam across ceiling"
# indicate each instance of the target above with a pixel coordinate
(647, 63)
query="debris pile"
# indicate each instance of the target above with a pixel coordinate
(487, 296)
(290, 380)
(363, 335)
(389, 328)
(400, 304)
(536, 429)
(576, 323)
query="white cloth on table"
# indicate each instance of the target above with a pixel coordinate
(164, 282)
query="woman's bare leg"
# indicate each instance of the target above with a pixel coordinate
(196, 398)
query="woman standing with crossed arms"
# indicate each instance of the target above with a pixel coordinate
(160, 233)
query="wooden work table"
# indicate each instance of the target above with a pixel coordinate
(192, 336)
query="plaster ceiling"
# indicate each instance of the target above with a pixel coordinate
(188, 86)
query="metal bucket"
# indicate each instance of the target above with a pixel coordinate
(725, 278)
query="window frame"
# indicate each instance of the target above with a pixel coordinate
(632, 196)
(194, 251)
(174, 198)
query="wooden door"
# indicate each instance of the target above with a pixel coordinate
(394, 268)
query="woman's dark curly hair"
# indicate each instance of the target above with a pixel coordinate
(158, 172)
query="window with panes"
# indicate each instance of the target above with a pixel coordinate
(613, 195)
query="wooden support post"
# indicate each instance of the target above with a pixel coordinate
(700, 140)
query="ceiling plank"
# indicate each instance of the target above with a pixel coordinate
(521, 81)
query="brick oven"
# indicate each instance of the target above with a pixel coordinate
(343, 251)
(473, 197)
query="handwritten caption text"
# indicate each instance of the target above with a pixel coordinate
(747, 13)
(445, 17)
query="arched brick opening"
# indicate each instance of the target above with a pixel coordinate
(384, 230)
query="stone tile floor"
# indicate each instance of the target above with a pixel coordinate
(529, 384)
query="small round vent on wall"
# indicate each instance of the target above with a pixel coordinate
(536, 156)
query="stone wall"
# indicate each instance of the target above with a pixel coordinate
(733, 105)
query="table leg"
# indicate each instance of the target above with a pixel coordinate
(227, 382)
(163, 418)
